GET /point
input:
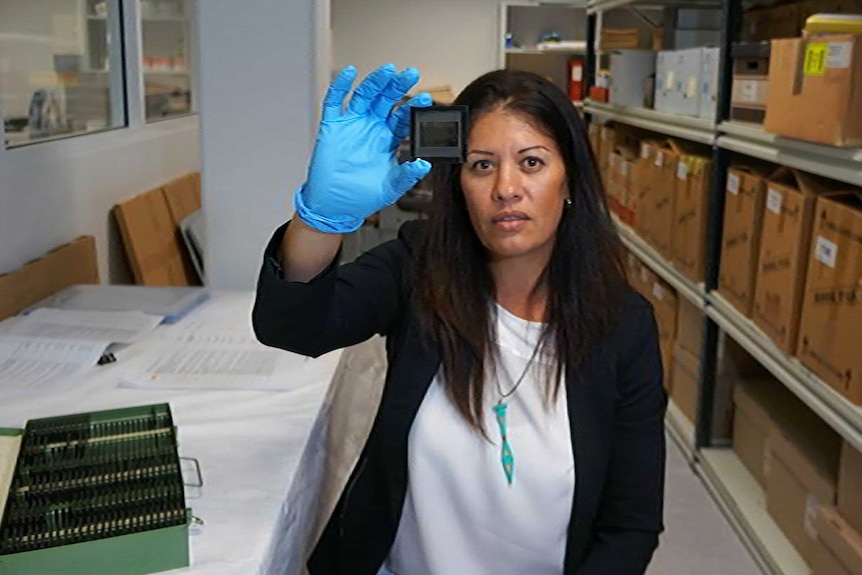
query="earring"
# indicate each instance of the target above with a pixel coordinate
(568, 202)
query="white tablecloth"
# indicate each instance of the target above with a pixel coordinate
(248, 442)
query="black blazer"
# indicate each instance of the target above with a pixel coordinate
(616, 406)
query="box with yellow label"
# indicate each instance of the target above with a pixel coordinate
(814, 89)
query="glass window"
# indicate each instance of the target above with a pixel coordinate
(61, 70)
(167, 58)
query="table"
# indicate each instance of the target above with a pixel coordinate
(248, 442)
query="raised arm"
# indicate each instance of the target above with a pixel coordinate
(354, 171)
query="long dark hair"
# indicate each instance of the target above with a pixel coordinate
(584, 278)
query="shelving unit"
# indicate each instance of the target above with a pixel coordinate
(735, 490)
(690, 290)
(526, 22)
(843, 164)
(834, 409)
(548, 52)
(744, 504)
(688, 128)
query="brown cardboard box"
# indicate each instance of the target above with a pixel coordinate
(750, 441)
(667, 363)
(594, 133)
(686, 382)
(690, 208)
(829, 7)
(740, 241)
(830, 338)
(643, 184)
(813, 89)
(664, 300)
(612, 183)
(152, 242)
(850, 486)
(763, 407)
(756, 24)
(783, 259)
(689, 327)
(842, 543)
(785, 21)
(802, 477)
(621, 178)
(70, 264)
(607, 143)
(662, 195)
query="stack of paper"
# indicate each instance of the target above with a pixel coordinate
(49, 346)
(171, 303)
(36, 362)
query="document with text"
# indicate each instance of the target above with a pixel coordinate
(36, 362)
(223, 366)
(110, 326)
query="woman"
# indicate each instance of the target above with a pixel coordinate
(520, 428)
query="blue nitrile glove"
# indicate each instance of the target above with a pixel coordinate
(354, 171)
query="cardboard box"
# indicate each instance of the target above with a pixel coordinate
(632, 73)
(755, 25)
(813, 89)
(750, 438)
(764, 407)
(664, 300)
(830, 338)
(740, 241)
(621, 172)
(666, 346)
(842, 542)
(689, 327)
(594, 132)
(850, 486)
(783, 260)
(690, 211)
(662, 192)
(645, 177)
(708, 106)
(802, 477)
(750, 91)
(70, 264)
(785, 21)
(686, 382)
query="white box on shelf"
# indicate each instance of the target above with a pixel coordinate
(678, 82)
(632, 73)
(664, 81)
(709, 83)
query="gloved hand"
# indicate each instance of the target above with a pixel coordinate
(354, 171)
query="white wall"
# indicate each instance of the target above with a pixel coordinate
(450, 41)
(258, 109)
(50, 193)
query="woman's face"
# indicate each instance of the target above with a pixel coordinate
(514, 183)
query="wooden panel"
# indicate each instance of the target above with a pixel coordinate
(183, 196)
(152, 241)
(70, 264)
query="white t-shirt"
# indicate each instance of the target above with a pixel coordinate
(460, 514)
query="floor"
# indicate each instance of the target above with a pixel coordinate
(697, 538)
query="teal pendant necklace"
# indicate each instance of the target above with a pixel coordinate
(507, 458)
